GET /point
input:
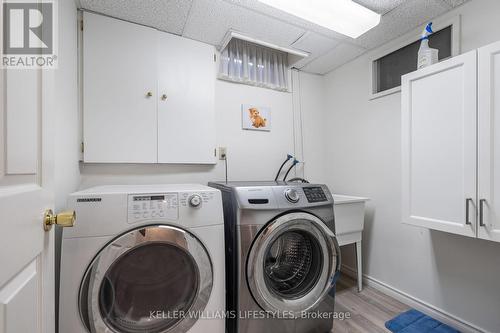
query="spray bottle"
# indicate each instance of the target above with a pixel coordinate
(426, 55)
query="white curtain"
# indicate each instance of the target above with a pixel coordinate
(253, 64)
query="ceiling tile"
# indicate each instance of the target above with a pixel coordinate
(315, 44)
(165, 15)
(210, 20)
(455, 3)
(380, 6)
(277, 14)
(340, 55)
(401, 20)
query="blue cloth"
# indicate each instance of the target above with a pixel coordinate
(414, 321)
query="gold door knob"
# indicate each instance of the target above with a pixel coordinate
(163, 97)
(64, 219)
(149, 94)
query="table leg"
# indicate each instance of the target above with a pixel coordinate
(359, 265)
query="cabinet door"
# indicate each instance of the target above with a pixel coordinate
(439, 146)
(186, 111)
(119, 70)
(489, 141)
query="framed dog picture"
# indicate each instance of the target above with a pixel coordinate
(256, 118)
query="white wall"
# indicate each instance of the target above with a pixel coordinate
(66, 122)
(456, 274)
(252, 155)
(67, 143)
(309, 103)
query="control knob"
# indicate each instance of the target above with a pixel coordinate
(292, 195)
(195, 200)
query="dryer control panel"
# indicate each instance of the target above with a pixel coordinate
(156, 206)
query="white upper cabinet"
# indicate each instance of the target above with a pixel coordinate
(439, 146)
(489, 142)
(148, 96)
(119, 91)
(186, 110)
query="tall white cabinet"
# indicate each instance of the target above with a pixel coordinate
(148, 96)
(451, 145)
(439, 146)
(489, 142)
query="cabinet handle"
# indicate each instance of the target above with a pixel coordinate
(467, 211)
(163, 97)
(481, 207)
(149, 94)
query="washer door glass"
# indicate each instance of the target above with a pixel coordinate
(292, 263)
(144, 280)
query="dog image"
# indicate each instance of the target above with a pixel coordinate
(256, 118)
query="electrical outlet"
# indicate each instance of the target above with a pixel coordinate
(222, 153)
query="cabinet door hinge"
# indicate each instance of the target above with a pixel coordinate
(82, 148)
(215, 152)
(215, 57)
(81, 25)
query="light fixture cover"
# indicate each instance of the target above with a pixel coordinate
(343, 16)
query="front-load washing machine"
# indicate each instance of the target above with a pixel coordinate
(282, 257)
(143, 259)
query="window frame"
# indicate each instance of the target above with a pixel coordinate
(414, 35)
(293, 55)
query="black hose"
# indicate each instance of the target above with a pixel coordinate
(295, 162)
(288, 157)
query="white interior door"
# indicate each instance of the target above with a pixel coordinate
(439, 146)
(489, 141)
(119, 91)
(186, 110)
(26, 256)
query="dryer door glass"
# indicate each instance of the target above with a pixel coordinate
(159, 278)
(147, 280)
(292, 263)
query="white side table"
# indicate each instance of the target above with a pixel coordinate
(349, 223)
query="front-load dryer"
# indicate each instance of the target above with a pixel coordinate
(143, 259)
(282, 257)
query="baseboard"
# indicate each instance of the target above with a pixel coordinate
(415, 303)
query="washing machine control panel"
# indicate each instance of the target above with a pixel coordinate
(158, 206)
(315, 194)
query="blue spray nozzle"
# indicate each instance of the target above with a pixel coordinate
(427, 31)
(428, 28)
(295, 161)
(288, 156)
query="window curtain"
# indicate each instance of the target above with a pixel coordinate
(249, 63)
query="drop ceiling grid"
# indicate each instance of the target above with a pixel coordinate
(402, 19)
(209, 21)
(333, 59)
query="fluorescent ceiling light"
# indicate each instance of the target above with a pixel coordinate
(343, 16)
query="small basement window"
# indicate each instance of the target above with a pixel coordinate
(387, 70)
(245, 62)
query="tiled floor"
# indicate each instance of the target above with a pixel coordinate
(369, 309)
